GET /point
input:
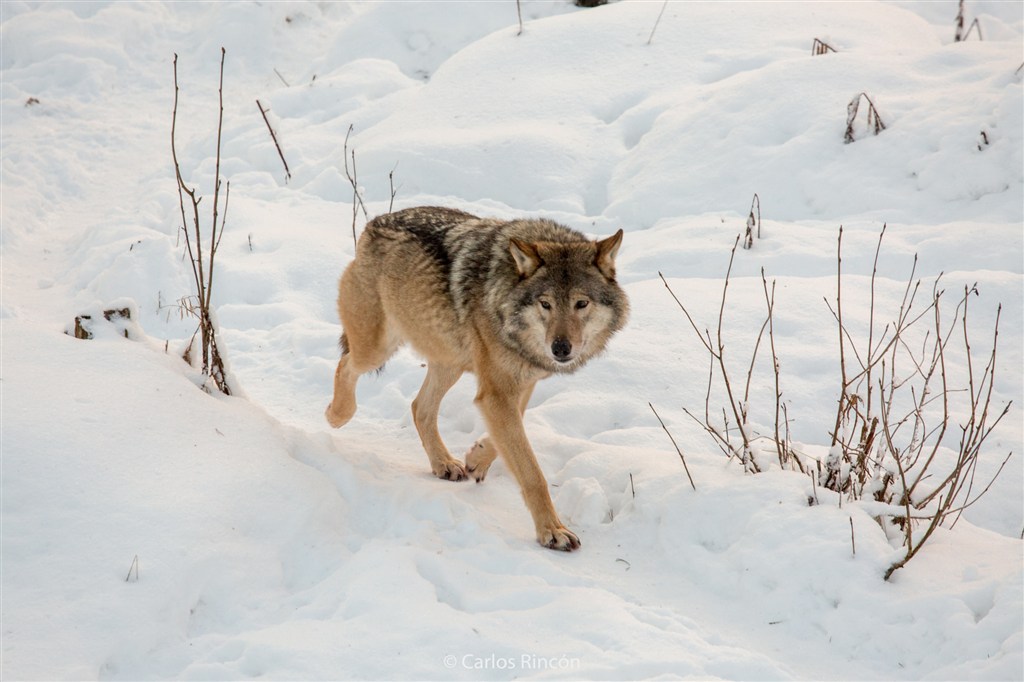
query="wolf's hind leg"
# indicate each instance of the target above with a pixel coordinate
(367, 342)
(425, 407)
(353, 364)
(343, 405)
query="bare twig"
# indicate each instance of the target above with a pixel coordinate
(842, 346)
(134, 568)
(819, 47)
(657, 21)
(673, 444)
(357, 198)
(874, 120)
(716, 351)
(273, 136)
(748, 454)
(752, 222)
(391, 184)
(215, 244)
(519, 13)
(216, 170)
(184, 189)
(974, 24)
(750, 371)
(707, 344)
(782, 441)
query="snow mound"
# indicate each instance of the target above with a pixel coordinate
(151, 530)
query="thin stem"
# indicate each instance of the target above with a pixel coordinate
(842, 345)
(674, 444)
(656, 22)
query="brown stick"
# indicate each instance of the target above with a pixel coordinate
(182, 187)
(273, 136)
(656, 22)
(748, 452)
(842, 346)
(820, 47)
(674, 445)
(357, 199)
(391, 184)
(974, 25)
(781, 446)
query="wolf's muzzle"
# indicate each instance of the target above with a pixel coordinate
(561, 349)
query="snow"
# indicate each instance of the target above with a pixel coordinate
(268, 545)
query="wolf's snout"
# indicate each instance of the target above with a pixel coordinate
(561, 349)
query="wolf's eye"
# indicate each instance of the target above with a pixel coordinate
(581, 304)
(545, 305)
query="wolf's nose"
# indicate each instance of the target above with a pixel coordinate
(561, 348)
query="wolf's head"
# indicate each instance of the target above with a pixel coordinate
(567, 302)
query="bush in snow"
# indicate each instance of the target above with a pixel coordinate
(200, 257)
(901, 391)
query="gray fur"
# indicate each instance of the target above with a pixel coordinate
(473, 265)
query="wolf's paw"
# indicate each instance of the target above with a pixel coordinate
(480, 457)
(452, 470)
(559, 537)
(337, 418)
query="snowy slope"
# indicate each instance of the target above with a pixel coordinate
(269, 545)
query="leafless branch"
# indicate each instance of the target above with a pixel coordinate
(657, 21)
(874, 121)
(391, 184)
(753, 222)
(357, 198)
(674, 444)
(819, 47)
(273, 136)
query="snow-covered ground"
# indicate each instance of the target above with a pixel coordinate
(266, 545)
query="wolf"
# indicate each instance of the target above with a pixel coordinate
(512, 302)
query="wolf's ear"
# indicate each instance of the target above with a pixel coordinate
(526, 257)
(605, 257)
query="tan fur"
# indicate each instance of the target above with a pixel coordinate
(469, 296)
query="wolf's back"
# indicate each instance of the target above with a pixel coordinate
(465, 256)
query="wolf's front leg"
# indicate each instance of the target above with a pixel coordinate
(499, 405)
(483, 452)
